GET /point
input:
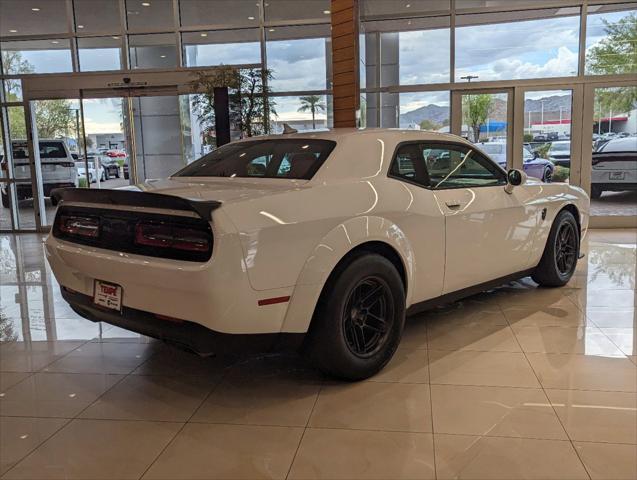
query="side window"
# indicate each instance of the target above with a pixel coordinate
(458, 166)
(409, 164)
(527, 154)
(258, 166)
(440, 166)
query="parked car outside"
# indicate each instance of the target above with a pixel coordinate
(534, 166)
(116, 153)
(92, 175)
(111, 166)
(614, 166)
(560, 153)
(57, 167)
(328, 247)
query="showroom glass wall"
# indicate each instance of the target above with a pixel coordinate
(419, 58)
(290, 38)
(515, 77)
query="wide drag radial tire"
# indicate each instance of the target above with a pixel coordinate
(560, 254)
(359, 319)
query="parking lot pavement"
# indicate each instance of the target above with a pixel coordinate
(615, 203)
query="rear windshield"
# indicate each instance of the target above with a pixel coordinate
(561, 147)
(628, 144)
(47, 150)
(280, 158)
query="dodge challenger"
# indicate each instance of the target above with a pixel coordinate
(324, 241)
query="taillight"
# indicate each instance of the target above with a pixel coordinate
(88, 227)
(170, 236)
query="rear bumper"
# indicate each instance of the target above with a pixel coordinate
(183, 334)
(215, 294)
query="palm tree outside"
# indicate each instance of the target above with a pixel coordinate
(313, 104)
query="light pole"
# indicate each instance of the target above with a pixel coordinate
(468, 78)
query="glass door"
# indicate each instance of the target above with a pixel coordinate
(549, 142)
(484, 118)
(135, 137)
(609, 157)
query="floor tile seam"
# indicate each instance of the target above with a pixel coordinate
(174, 437)
(554, 410)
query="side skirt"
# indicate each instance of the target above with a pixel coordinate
(465, 292)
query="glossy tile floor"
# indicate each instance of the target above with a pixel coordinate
(519, 382)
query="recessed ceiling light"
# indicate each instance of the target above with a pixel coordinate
(408, 5)
(204, 34)
(163, 56)
(145, 4)
(115, 38)
(271, 30)
(54, 42)
(250, 18)
(35, 9)
(80, 26)
(326, 12)
(13, 31)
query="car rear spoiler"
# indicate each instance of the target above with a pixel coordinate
(134, 198)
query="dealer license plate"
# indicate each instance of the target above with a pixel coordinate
(108, 295)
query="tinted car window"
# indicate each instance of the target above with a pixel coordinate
(440, 166)
(280, 158)
(47, 150)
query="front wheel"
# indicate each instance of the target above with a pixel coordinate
(560, 253)
(359, 318)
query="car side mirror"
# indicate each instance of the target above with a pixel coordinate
(535, 155)
(515, 178)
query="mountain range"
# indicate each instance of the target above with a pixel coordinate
(438, 114)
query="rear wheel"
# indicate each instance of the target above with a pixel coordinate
(359, 319)
(560, 254)
(548, 175)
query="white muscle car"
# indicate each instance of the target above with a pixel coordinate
(328, 239)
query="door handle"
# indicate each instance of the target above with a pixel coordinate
(453, 205)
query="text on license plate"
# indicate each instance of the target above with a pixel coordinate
(617, 175)
(108, 295)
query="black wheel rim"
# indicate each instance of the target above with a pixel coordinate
(368, 317)
(565, 248)
(548, 176)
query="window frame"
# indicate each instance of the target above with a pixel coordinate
(443, 143)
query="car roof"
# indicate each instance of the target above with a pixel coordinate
(394, 134)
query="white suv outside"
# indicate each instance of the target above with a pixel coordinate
(58, 168)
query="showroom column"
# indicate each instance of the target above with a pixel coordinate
(345, 79)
